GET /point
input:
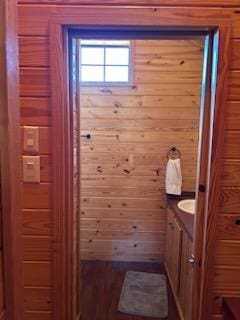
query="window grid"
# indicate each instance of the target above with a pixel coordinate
(107, 65)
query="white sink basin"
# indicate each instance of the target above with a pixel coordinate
(187, 205)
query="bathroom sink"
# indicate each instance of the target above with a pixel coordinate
(187, 205)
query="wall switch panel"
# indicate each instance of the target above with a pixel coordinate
(31, 139)
(31, 169)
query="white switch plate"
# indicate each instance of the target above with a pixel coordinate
(31, 139)
(31, 169)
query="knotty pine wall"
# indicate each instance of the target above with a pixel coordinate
(2, 291)
(123, 203)
(37, 214)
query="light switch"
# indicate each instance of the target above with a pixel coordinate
(31, 169)
(31, 139)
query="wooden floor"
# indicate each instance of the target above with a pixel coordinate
(101, 284)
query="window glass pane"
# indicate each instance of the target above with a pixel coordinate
(92, 73)
(116, 74)
(92, 55)
(117, 56)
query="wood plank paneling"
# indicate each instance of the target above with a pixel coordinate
(228, 253)
(229, 202)
(143, 214)
(35, 111)
(234, 85)
(36, 196)
(34, 82)
(144, 159)
(118, 246)
(228, 229)
(37, 248)
(123, 235)
(136, 149)
(141, 126)
(37, 222)
(34, 20)
(140, 113)
(227, 279)
(233, 115)
(231, 173)
(138, 2)
(45, 168)
(37, 274)
(38, 298)
(136, 101)
(34, 52)
(123, 224)
(235, 60)
(2, 281)
(122, 256)
(38, 315)
(232, 145)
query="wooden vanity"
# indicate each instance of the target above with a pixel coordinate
(178, 252)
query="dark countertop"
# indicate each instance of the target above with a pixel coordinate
(186, 220)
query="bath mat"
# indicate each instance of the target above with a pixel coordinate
(144, 294)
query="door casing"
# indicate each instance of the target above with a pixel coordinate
(215, 23)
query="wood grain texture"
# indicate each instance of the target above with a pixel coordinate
(34, 82)
(35, 111)
(36, 196)
(34, 22)
(11, 261)
(229, 202)
(231, 173)
(233, 115)
(109, 286)
(141, 124)
(235, 61)
(234, 85)
(228, 229)
(38, 315)
(232, 145)
(228, 253)
(37, 274)
(37, 248)
(227, 279)
(34, 19)
(38, 298)
(138, 2)
(37, 222)
(2, 284)
(34, 52)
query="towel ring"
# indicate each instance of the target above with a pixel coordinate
(174, 153)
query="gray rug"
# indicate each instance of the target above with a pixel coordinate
(144, 294)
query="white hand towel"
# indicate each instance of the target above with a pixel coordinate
(174, 177)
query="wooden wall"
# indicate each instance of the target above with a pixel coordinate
(123, 205)
(2, 284)
(34, 16)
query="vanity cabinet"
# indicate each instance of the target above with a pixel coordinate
(180, 271)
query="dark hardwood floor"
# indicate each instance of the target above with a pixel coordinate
(101, 284)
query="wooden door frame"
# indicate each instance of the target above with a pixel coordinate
(10, 160)
(201, 19)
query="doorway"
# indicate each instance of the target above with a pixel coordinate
(137, 102)
(65, 258)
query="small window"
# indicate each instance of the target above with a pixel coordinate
(105, 62)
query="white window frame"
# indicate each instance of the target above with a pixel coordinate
(109, 83)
